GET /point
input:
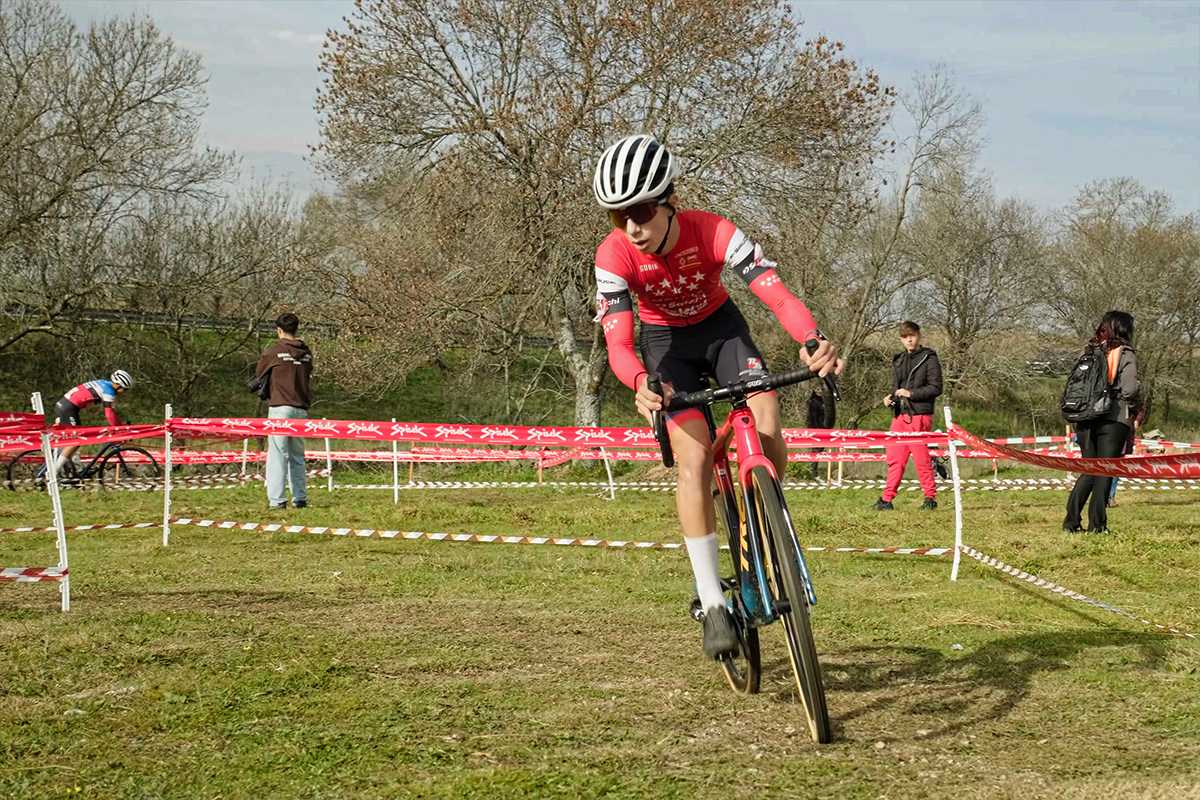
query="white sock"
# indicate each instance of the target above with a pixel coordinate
(702, 550)
(60, 461)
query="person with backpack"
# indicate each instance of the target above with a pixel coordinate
(1101, 400)
(284, 370)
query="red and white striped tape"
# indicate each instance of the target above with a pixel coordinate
(1063, 591)
(32, 574)
(616, 544)
(94, 527)
(1157, 444)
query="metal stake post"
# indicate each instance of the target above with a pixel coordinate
(958, 523)
(395, 469)
(60, 528)
(166, 523)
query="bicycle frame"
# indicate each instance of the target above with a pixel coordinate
(750, 563)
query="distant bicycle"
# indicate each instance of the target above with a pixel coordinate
(771, 580)
(115, 466)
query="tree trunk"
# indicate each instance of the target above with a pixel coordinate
(587, 369)
(587, 407)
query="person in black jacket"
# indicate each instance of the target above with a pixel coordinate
(1108, 436)
(916, 383)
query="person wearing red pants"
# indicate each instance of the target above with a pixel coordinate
(916, 384)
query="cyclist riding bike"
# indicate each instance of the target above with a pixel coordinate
(104, 392)
(671, 259)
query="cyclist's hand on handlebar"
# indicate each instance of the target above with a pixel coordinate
(647, 400)
(824, 360)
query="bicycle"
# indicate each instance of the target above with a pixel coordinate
(115, 465)
(771, 580)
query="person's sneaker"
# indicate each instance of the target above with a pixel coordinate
(280, 507)
(719, 637)
(884, 505)
(300, 504)
(929, 505)
(1072, 528)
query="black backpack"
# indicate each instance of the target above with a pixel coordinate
(1088, 394)
(261, 384)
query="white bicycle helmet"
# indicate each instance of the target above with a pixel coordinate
(632, 171)
(122, 378)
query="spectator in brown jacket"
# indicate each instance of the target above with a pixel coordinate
(289, 362)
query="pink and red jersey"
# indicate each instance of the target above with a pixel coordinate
(684, 286)
(98, 391)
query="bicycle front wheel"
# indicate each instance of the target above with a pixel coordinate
(129, 468)
(743, 670)
(790, 593)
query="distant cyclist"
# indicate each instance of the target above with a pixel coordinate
(104, 392)
(671, 261)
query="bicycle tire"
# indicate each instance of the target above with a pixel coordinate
(118, 470)
(789, 586)
(21, 472)
(743, 671)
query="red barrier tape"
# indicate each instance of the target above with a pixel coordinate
(1169, 466)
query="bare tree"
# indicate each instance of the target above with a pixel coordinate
(531, 90)
(1121, 246)
(189, 260)
(846, 255)
(96, 124)
(979, 260)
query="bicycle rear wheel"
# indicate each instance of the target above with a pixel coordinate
(22, 470)
(129, 468)
(743, 670)
(790, 589)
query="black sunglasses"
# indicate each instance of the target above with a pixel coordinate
(640, 213)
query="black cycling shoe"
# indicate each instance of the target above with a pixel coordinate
(929, 505)
(719, 636)
(884, 505)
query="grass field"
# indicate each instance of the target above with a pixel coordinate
(235, 664)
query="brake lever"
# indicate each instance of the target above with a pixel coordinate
(658, 424)
(829, 380)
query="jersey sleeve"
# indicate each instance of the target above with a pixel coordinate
(614, 307)
(746, 259)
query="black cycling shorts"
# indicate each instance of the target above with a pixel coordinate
(718, 347)
(66, 413)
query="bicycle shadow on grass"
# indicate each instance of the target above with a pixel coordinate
(943, 692)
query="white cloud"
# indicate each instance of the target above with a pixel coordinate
(293, 37)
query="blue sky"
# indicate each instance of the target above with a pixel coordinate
(1072, 91)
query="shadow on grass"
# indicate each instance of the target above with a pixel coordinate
(946, 693)
(214, 598)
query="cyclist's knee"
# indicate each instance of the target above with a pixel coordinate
(695, 464)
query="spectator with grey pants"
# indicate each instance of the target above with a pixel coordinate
(289, 363)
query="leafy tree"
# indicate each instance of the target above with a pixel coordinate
(530, 91)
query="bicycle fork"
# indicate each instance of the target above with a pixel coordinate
(750, 455)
